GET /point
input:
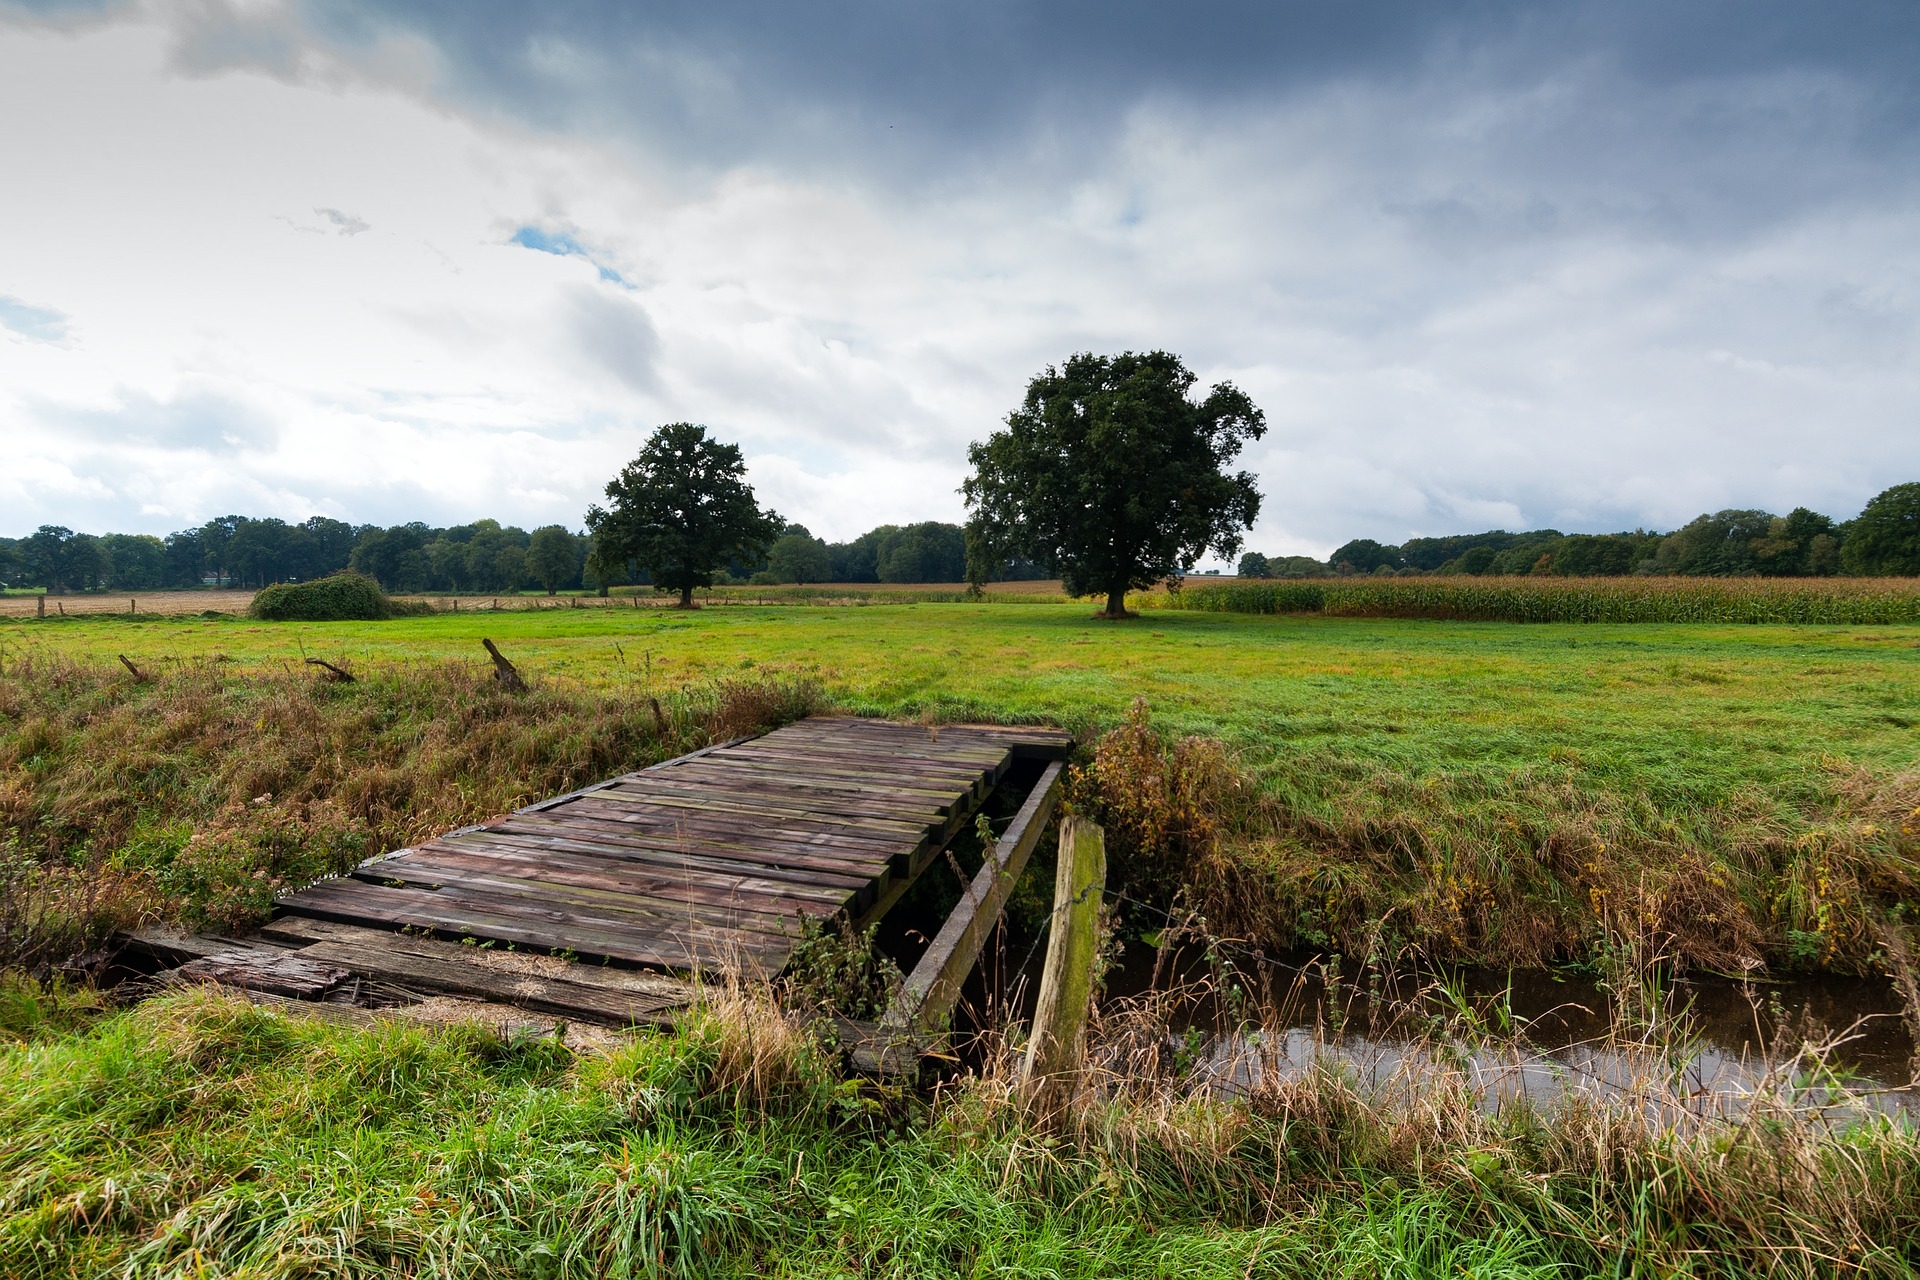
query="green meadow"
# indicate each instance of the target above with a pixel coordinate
(1489, 791)
(1631, 798)
(1671, 707)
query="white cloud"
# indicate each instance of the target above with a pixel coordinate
(1461, 304)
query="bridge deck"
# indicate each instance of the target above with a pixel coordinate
(713, 859)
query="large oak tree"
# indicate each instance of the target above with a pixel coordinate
(1112, 475)
(680, 510)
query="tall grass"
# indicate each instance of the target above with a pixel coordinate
(1533, 868)
(1836, 601)
(198, 794)
(200, 1135)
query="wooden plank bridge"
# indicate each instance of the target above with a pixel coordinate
(710, 861)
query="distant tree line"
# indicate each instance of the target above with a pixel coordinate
(244, 552)
(248, 552)
(1884, 539)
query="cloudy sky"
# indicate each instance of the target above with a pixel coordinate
(1588, 265)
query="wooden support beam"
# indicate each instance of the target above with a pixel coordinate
(1058, 1046)
(926, 999)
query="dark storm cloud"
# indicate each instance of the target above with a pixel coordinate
(734, 75)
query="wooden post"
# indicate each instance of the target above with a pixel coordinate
(40, 605)
(1058, 1045)
(503, 671)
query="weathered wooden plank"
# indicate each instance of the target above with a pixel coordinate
(635, 984)
(906, 757)
(677, 829)
(280, 973)
(353, 902)
(946, 735)
(706, 857)
(779, 795)
(703, 866)
(717, 800)
(443, 869)
(875, 780)
(639, 912)
(465, 977)
(886, 774)
(741, 832)
(172, 947)
(566, 864)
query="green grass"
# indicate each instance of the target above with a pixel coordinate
(1482, 789)
(201, 1136)
(1490, 790)
(1681, 712)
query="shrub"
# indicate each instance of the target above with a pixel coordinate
(339, 597)
(1159, 802)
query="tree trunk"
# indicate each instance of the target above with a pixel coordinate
(1117, 600)
(686, 596)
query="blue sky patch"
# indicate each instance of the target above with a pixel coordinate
(564, 246)
(41, 324)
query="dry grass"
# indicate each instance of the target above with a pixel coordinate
(199, 794)
(1535, 870)
(132, 604)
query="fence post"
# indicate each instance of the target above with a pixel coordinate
(1058, 1045)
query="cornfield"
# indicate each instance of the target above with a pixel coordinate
(1842, 601)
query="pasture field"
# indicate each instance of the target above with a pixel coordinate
(1669, 709)
(1609, 794)
(1489, 791)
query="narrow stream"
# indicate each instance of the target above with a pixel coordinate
(1706, 1045)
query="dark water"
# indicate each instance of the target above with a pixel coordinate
(1708, 1045)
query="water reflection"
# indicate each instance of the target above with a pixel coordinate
(1704, 1047)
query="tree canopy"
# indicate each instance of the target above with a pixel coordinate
(1885, 537)
(553, 557)
(682, 509)
(1111, 475)
(800, 557)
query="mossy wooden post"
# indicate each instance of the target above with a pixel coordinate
(1059, 1041)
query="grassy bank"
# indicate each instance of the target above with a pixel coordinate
(1509, 794)
(197, 1135)
(1793, 601)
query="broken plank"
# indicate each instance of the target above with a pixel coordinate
(462, 977)
(637, 984)
(277, 972)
